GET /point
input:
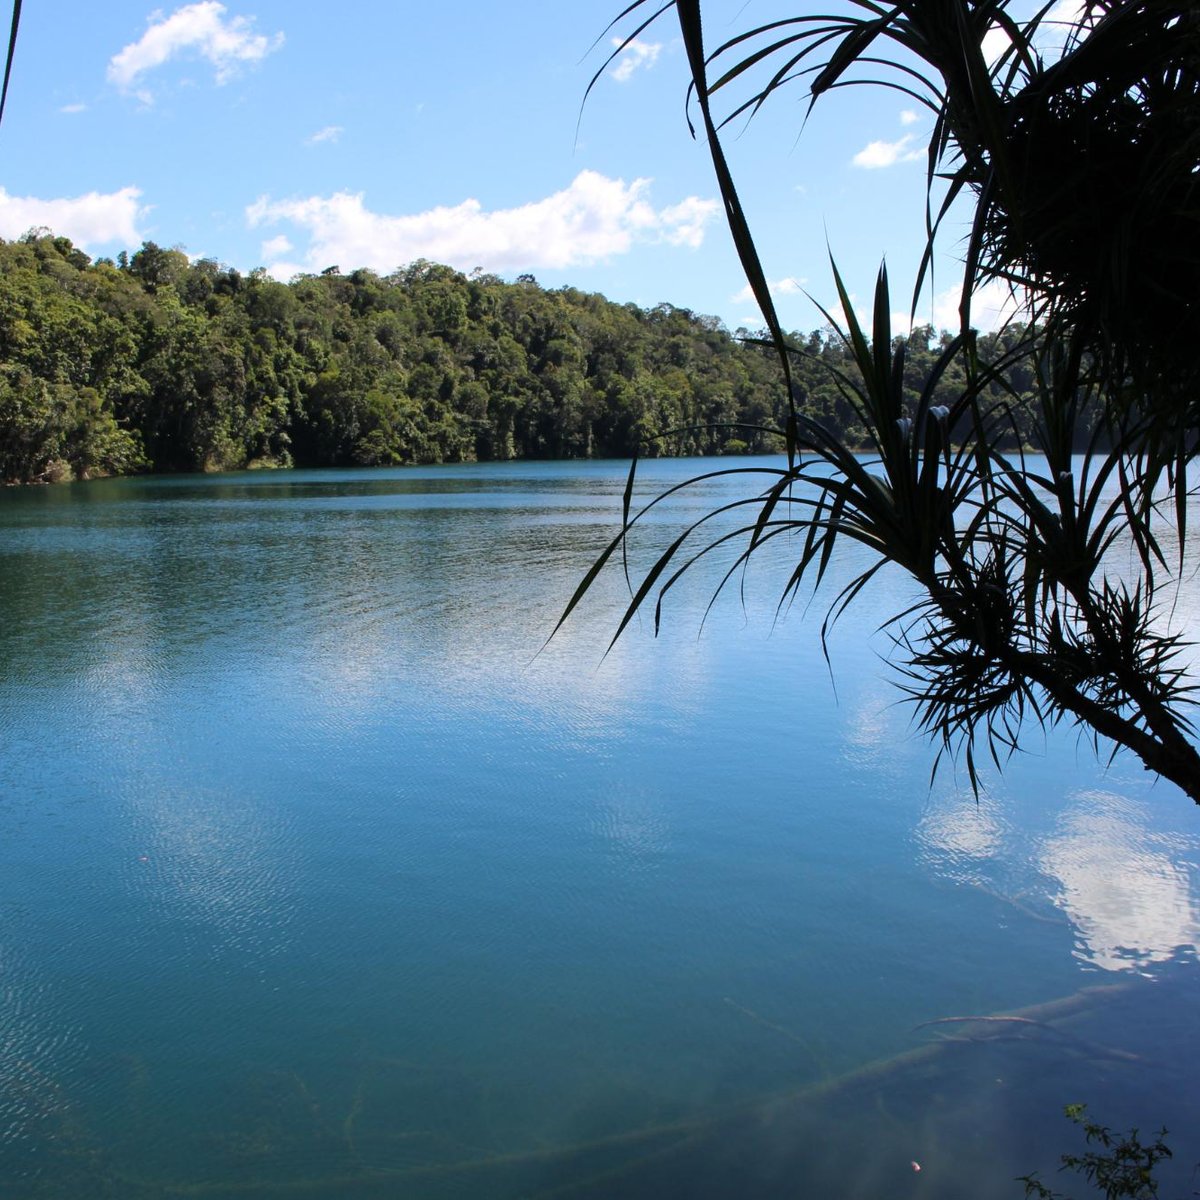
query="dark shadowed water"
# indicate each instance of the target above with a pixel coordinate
(315, 882)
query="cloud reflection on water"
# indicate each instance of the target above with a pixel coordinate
(1128, 888)
(963, 837)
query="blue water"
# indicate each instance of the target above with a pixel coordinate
(317, 878)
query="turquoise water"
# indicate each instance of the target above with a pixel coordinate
(316, 879)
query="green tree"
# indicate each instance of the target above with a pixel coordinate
(177, 365)
(1122, 1168)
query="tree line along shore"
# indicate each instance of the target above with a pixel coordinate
(154, 362)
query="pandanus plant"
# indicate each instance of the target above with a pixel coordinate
(1021, 612)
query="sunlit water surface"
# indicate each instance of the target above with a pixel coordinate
(316, 879)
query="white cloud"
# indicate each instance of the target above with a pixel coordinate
(875, 155)
(330, 133)
(73, 108)
(592, 219)
(777, 287)
(1067, 13)
(908, 117)
(1054, 30)
(992, 306)
(275, 247)
(680, 224)
(93, 219)
(201, 29)
(283, 271)
(994, 44)
(637, 54)
(1059, 24)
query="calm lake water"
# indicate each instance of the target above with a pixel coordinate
(316, 882)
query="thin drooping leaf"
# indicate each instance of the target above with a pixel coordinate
(691, 27)
(12, 49)
(626, 501)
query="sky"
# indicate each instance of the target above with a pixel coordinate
(299, 136)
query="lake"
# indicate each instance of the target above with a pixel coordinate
(317, 879)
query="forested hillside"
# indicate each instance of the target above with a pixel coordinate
(157, 363)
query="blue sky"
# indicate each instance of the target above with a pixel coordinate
(301, 136)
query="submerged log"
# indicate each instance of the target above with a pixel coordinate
(596, 1167)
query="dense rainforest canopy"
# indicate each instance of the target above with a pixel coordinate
(154, 362)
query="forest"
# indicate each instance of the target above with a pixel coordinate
(153, 362)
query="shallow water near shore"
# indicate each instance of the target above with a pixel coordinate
(317, 879)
